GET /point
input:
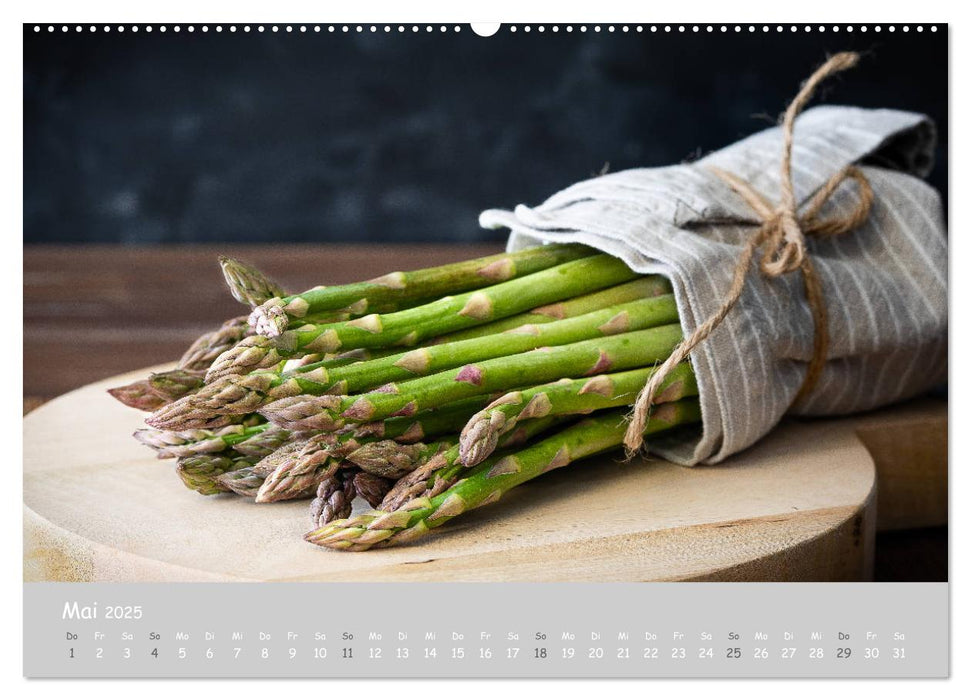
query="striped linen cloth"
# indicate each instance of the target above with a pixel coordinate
(885, 283)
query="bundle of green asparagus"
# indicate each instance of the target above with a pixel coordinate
(425, 393)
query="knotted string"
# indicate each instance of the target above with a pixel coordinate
(782, 239)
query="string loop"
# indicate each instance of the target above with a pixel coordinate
(781, 239)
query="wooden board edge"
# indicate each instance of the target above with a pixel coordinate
(53, 554)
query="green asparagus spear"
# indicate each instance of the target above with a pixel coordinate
(275, 315)
(567, 396)
(294, 471)
(185, 443)
(297, 470)
(390, 460)
(371, 488)
(209, 346)
(287, 451)
(174, 384)
(158, 390)
(582, 359)
(335, 497)
(419, 323)
(247, 284)
(200, 472)
(640, 288)
(622, 318)
(265, 442)
(489, 481)
(138, 394)
(442, 471)
(230, 395)
(336, 493)
(243, 481)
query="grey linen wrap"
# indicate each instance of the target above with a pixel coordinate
(885, 284)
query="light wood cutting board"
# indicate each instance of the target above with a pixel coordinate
(801, 505)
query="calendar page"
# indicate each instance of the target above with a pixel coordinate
(396, 350)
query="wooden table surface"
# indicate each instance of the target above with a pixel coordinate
(96, 311)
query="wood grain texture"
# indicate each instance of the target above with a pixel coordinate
(910, 453)
(798, 506)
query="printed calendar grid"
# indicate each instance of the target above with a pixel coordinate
(514, 630)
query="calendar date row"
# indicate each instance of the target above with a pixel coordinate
(349, 653)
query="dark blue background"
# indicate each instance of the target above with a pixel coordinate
(302, 137)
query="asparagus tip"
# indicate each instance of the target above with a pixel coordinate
(247, 284)
(138, 395)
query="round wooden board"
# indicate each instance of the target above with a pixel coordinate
(798, 506)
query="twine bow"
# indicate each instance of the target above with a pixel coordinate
(782, 239)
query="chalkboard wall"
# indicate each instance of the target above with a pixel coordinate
(255, 137)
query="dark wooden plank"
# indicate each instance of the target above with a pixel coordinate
(94, 311)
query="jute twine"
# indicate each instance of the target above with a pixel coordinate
(782, 239)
